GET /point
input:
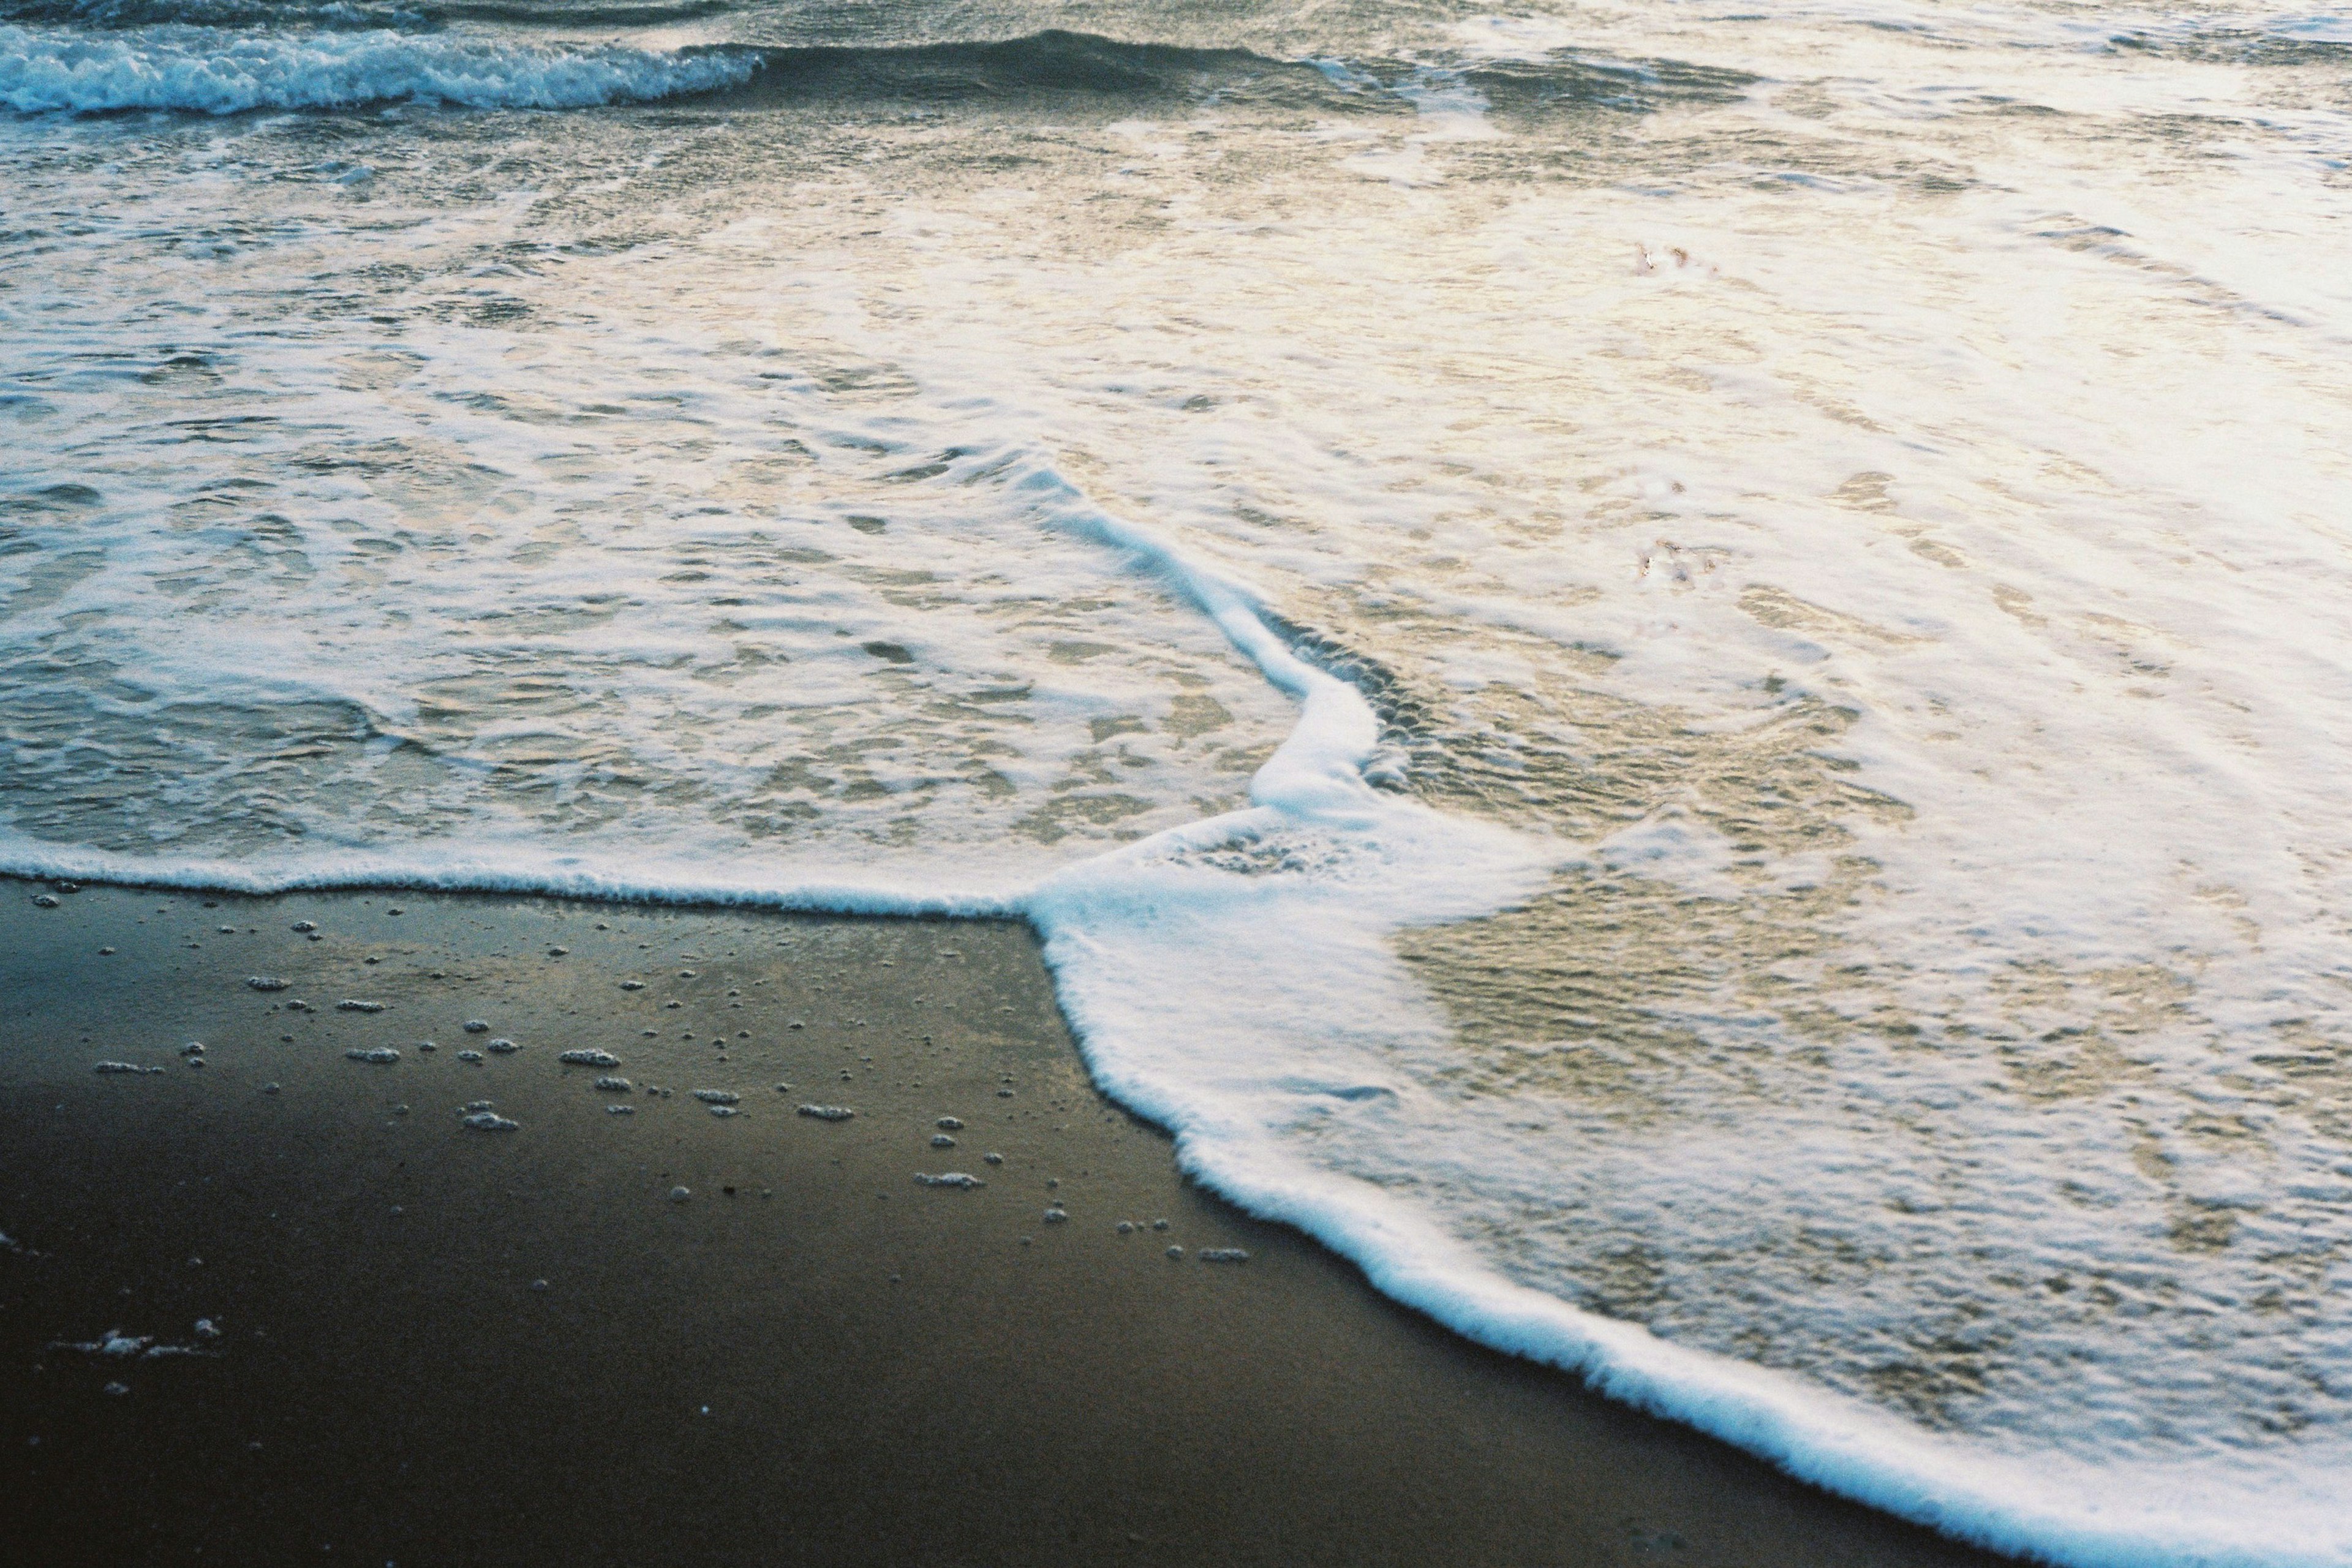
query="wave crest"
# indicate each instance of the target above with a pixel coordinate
(208, 71)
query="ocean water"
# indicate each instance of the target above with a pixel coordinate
(1677, 670)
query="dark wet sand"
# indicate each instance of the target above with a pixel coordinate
(811, 1360)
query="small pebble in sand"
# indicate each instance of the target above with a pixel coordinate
(426, 1045)
(1124, 1227)
(1004, 1094)
(192, 1049)
(395, 909)
(620, 1111)
(633, 985)
(400, 1110)
(1159, 1225)
(481, 1105)
(470, 1055)
(476, 1026)
(828, 1112)
(504, 1047)
(195, 1061)
(490, 1121)
(942, 1141)
(993, 1158)
(126, 1067)
(796, 1024)
(724, 1110)
(106, 952)
(618, 1084)
(117, 1389)
(305, 927)
(269, 1089)
(349, 1005)
(718, 1096)
(950, 1179)
(557, 951)
(44, 900)
(267, 982)
(226, 931)
(679, 1194)
(1176, 1252)
(1224, 1254)
(66, 887)
(382, 1055)
(590, 1059)
(784, 1089)
(686, 974)
(949, 1124)
(206, 1329)
(538, 1284)
(1057, 1215)
(648, 1034)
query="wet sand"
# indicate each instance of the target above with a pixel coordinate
(431, 1344)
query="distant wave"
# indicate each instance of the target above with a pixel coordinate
(218, 71)
(336, 16)
(1049, 62)
(349, 15)
(404, 57)
(210, 71)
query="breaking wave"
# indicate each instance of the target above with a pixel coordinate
(208, 71)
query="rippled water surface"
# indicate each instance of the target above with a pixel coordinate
(1836, 517)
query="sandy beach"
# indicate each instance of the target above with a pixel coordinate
(290, 1307)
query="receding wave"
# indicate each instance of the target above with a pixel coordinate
(209, 71)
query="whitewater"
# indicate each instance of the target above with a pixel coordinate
(1678, 674)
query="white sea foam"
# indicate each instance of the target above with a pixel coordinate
(219, 71)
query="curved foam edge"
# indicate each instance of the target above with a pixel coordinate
(650, 880)
(1141, 904)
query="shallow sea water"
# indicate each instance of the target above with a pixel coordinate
(1675, 671)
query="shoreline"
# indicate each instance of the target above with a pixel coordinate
(832, 1362)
